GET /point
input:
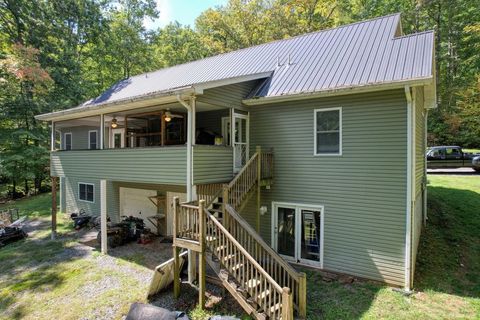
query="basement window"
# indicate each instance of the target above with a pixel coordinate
(86, 191)
(328, 132)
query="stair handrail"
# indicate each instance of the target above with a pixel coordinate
(284, 293)
(299, 292)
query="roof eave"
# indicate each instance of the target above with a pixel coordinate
(115, 106)
(340, 91)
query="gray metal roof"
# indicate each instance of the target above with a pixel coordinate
(359, 54)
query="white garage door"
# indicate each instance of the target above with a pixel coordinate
(135, 202)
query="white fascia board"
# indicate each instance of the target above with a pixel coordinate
(340, 91)
(116, 106)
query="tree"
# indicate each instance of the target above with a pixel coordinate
(24, 85)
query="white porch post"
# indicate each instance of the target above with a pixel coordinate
(102, 131)
(191, 194)
(52, 137)
(103, 215)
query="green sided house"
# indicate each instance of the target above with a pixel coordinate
(305, 151)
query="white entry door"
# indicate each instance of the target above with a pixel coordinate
(298, 232)
(117, 139)
(241, 138)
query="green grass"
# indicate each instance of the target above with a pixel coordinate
(471, 150)
(36, 281)
(447, 278)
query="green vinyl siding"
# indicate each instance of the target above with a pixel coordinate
(73, 203)
(79, 136)
(420, 147)
(166, 165)
(162, 165)
(212, 164)
(363, 191)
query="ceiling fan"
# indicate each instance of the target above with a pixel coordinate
(169, 116)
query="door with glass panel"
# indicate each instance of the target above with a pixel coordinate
(240, 141)
(117, 138)
(298, 233)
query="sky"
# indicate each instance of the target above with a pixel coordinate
(183, 11)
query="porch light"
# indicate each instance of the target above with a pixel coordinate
(168, 116)
(114, 123)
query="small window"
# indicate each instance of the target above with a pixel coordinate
(67, 145)
(328, 131)
(86, 192)
(92, 139)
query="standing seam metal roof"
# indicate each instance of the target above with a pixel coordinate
(358, 54)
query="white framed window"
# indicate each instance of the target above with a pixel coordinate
(92, 139)
(86, 192)
(67, 141)
(328, 132)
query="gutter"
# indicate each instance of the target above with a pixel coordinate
(408, 227)
(339, 91)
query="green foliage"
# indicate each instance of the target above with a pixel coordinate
(55, 54)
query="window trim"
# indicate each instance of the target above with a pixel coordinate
(64, 142)
(84, 200)
(96, 142)
(340, 131)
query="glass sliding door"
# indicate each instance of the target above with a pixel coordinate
(286, 231)
(298, 233)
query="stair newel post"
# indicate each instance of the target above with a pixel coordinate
(176, 256)
(302, 296)
(201, 256)
(287, 304)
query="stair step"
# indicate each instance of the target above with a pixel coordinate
(252, 283)
(275, 307)
(228, 257)
(220, 248)
(263, 295)
(238, 266)
(210, 238)
(215, 210)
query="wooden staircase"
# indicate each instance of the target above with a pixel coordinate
(264, 284)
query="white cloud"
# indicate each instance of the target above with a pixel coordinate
(164, 18)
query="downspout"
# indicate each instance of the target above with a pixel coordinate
(190, 135)
(408, 227)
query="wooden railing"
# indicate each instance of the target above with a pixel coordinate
(268, 259)
(186, 222)
(274, 300)
(209, 192)
(259, 166)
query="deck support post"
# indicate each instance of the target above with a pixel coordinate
(287, 304)
(302, 292)
(54, 207)
(103, 216)
(176, 257)
(201, 256)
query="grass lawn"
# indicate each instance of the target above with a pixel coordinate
(40, 278)
(471, 150)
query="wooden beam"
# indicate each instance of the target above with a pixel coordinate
(176, 272)
(163, 128)
(201, 256)
(103, 216)
(54, 207)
